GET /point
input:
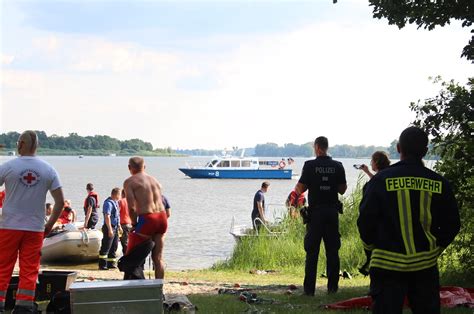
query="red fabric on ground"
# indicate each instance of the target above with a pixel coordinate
(455, 296)
(450, 297)
(2, 197)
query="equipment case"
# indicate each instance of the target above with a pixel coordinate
(49, 282)
(117, 296)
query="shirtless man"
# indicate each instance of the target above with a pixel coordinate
(147, 212)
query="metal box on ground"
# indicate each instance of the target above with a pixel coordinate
(49, 282)
(117, 296)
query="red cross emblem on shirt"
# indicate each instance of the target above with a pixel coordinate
(29, 178)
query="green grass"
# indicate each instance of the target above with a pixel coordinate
(283, 304)
(273, 286)
(286, 251)
(285, 254)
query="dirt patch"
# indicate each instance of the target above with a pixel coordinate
(173, 286)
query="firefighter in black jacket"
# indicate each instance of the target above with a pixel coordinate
(408, 216)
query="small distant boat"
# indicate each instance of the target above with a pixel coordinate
(11, 153)
(235, 167)
(240, 232)
(81, 156)
(73, 245)
(112, 155)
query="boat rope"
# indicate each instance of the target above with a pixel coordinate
(85, 237)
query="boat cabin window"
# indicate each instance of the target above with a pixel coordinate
(224, 163)
(245, 163)
(212, 163)
(235, 163)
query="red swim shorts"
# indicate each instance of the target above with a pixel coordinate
(150, 224)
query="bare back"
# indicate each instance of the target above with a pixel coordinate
(143, 194)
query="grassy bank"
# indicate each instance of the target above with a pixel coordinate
(286, 251)
(286, 257)
(272, 287)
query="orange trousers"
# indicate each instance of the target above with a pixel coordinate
(27, 246)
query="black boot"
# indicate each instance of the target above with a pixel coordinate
(24, 309)
(103, 264)
(111, 265)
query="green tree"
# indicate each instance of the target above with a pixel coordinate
(427, 14)
(9, 139)
(392, 150)
(449, 119)
(268, 149)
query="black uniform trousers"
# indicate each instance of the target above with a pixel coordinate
(389, 288)
(324, 225)
(133, 263)
(126, 228)
(93, 220)
(108, 248)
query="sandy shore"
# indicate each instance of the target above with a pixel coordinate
(170, 286)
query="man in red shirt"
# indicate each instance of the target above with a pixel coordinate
(125, 222)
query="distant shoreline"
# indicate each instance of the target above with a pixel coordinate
(43, 152)
(148, 154)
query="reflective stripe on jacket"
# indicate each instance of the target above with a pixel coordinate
(408, 215)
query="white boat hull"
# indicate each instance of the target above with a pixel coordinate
(72, 247)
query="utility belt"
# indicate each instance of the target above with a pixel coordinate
(306, 211)
(337, 205)
(320, 206)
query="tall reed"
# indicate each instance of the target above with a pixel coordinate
(286, 251)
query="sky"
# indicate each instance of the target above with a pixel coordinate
(218, 74)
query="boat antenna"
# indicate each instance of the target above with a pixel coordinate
(243, 153)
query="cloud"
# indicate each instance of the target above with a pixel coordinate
(47, 44)
(21, 80)
(7, 59)
(352, 83)
(117, 57)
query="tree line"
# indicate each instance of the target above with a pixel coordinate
(306, 150)
(76, 143)
(102, 144)
(293, 150)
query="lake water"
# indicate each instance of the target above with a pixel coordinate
(202, 209)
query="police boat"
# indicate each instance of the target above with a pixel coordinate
(238, 167)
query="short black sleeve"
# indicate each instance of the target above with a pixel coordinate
(305, 174)
(91, 202)
(341, 174)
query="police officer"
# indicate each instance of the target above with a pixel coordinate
(324, 178)
(408, 216)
